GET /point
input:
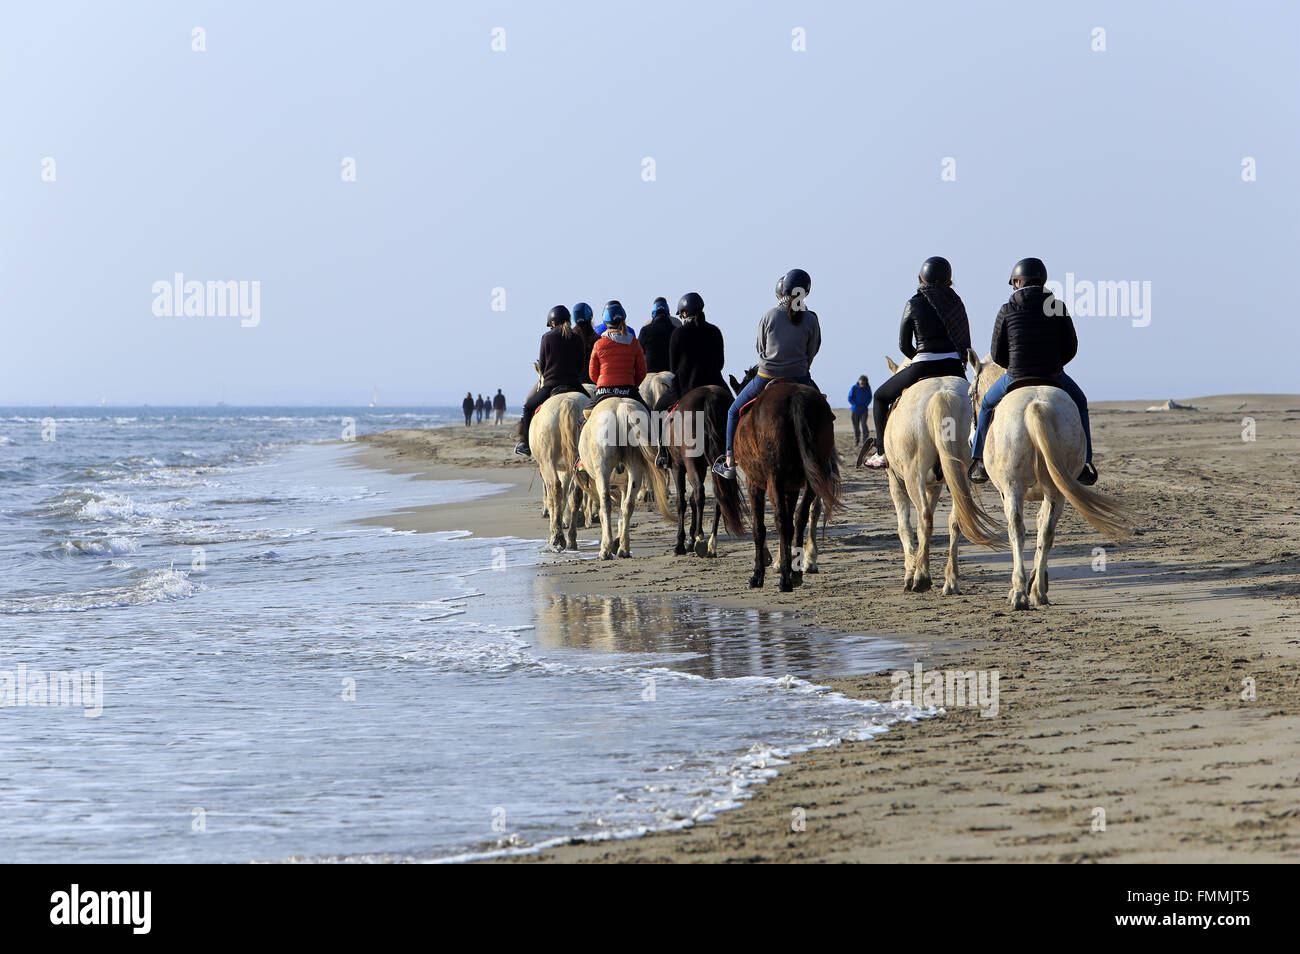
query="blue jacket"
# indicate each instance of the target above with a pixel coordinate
(860, 399)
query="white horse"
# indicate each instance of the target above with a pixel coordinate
(1034, 449)
(925, 444)
(553, 439)
(585, 514)
(617, 436)
(655, 385)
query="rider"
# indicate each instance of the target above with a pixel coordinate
(655, 335)
(560, 363)
(617, 362)
(934, 333)
(695, 357)
(789, 337)
(582, 325)
(1033, 337)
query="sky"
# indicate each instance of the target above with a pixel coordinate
(851, 139)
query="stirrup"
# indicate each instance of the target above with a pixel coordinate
(722, 470)
(523, 450)
(976, 472)
(1088, 476)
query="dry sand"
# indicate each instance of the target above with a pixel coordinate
(1125, 695)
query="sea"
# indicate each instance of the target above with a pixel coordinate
(206, 656)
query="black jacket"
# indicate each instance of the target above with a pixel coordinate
(695, 355)
(1033, 336)
(589, 338)
(561, 359)
(655, 336)
(935, 319)
(499, 402)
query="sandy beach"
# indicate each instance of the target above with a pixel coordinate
(1127, 702)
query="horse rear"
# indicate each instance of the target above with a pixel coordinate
(553, 438)
(785, 445)
(618, 435)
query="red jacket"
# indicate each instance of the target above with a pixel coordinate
(617, 364)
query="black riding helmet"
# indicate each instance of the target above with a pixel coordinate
(791, 280)
(1032, 270)
(581, 312)
(690, 304)
(559, 315)
(935, 270)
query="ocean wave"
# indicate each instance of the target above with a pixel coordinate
(154, 586)
(102, 546)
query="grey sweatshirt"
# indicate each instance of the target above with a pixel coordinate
(786, 350)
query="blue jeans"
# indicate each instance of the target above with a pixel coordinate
(747, 394)
(999, 390)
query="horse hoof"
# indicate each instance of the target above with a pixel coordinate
(796, 579)
(950, 589)
(1019, 601)
(606, 555)
(756, 582)
(1040, 600)
(624, 554)
(907, 585)
(810, 569)
(701, 548)
(680, 549)
(922, 585)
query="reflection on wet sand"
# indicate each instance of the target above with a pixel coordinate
(707, 639)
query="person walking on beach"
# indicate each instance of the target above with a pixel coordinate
(478, 410)
(560, 363)
(467, 406)
(859, 405)
(499, 405)
(934, 334)
(656, 335)
(617, 362)
(695, 357)
(789, 337)
(582, 325)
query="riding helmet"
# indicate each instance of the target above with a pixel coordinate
(791, 280)
(614, 309)
(690, 304)
(660, 307)
(559, 315)
(935, 270)
(581, 312)
(1031, 269)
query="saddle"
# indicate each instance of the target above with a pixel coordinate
(1034, 383)
(744, 408)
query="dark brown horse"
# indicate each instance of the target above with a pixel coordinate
(785, 444)
(695, 435)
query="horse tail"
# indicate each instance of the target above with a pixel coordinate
(1110, 518)
(942, 412)
(642, 444)
(571, 422)
(814, 428)
(726, 493)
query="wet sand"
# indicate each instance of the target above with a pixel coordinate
(1121, 704)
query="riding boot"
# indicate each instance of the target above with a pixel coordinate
(977, 473)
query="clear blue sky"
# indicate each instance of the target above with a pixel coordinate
(523, 169)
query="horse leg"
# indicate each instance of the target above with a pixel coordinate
(679, 478)
(1013, 505)
(1048, 514)
(555, 509)
(950, 570)
(698, 543)
(921, 580)
(711, 550)
(785, 506)
(634, 485)
(761, 556)
(604, 495)
(902, 507)
(572, 495)
(801, 528)
(810, 554)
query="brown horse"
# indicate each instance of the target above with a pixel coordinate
(695, 435)
(786, 444)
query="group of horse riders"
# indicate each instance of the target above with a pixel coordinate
(1033, 338)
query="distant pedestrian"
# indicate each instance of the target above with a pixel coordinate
(859, 405)
(479, 405)
(467, 406)
(499, 405)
